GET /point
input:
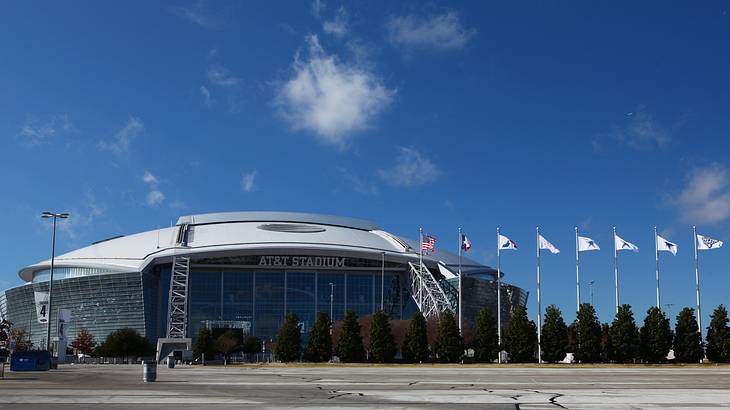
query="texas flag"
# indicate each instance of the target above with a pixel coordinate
(506, 243)
(465, 244)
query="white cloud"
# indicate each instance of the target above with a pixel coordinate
(155, 196)
(35, 132)
(207, 99)
(705, 199)
(178, 205)
(642, 132)
(222, 77)
(80, 220)
(441, 32)
(411, 169)
(150, 179)
(330, 98)
(317, 7)
(119, 142)
(357, 183)
(200, 15)
(338, 25)
(248, 181)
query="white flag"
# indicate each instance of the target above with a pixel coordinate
(664, 245)
(506, 243)
(41, 306)
(705, 242)
(545, 244)
(587, 244)
(622, 245)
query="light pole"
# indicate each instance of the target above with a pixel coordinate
(55, 216)
(382, 280)
(332, 319)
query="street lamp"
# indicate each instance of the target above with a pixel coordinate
(332, 298)
(332, 319)
(382, 280)
(55, 216)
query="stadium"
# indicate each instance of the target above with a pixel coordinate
(247, 270)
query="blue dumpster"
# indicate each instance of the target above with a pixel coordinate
(38, 360)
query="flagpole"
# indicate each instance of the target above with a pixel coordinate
(539, 307)
(420, 268)
(577, 272)
(656, 252)
(697, 284)
(461, 240)
(499, 302)
(615, 266)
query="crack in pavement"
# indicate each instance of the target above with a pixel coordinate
(336, 395)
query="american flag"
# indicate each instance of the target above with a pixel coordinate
(429, 242)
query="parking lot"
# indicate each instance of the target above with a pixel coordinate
(508, 387)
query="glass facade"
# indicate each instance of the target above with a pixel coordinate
(254, 300)
(481, 292)
(261, 299)
(99, 303)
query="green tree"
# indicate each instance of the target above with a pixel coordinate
(125, 343)
(687, 338)
(486, 340)
(449, 345)
(554, 341)
(655, 337)
(204, 344)
(587, 335)
(520, 340)
(606, 344)
(382, 345)
(288, 340)
(624, 336)
(415, 343)
(251, 345)
(319, 345)
(572, 338)
(349, 346)
(718, 336)
(227, 343)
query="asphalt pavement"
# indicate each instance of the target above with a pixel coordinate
(337, 386)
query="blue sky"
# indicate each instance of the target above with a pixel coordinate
(438, 114)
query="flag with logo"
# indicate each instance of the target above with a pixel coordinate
(666, 246)
(622, 245)
(705, 243)
(587, 244)
(506, 243)
(465, 244)
(545, 244)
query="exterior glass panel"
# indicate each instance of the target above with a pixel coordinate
(300, 297)
(238, 296)
(360, 293)
(268, 304)
(323, 294)
(205, 299)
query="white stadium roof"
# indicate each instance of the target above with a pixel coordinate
(244, 232)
